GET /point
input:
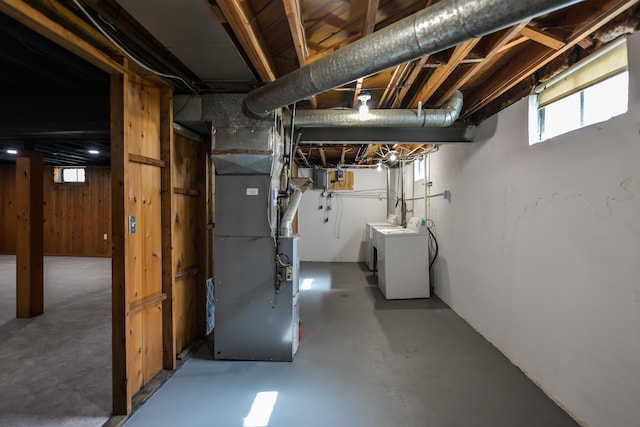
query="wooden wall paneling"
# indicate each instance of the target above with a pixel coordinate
(137, 263)
(29, 242)
(135, 355)
(186, 267)
(150, 231)
(168, 244)
(101, 206)
(133, 241)
(87, 235)
(186, 308)
(7, 209)
(152, 341)
(187, 261)
(144, 202)
(76, 216)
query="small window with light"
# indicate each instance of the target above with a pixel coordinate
(592, 91)
(418, 169)
(65, 175)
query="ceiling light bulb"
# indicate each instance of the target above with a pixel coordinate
(379, 168)
(393, 156)
(363, 97)
(94, 152)
(12, 151)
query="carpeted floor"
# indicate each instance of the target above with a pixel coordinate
(55, 369)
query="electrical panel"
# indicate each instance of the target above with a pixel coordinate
(320, 179)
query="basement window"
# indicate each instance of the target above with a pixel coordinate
(592, 91)
(63, 175)
(418, 169)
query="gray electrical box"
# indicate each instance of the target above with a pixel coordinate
(320, 179)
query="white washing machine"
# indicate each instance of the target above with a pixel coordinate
(390, 223)
(403, 260)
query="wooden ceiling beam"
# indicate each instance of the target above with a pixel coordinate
(356, 92)
(528, 61)
(332, 48)
(244, 26)
(513, 43)
(440, 75)
(371, 149)
(296, 27)
(505, 39)
(388, 88)
(323, 157)
(370, 13)
(330, 16)
(415, 72)
(62, 35)
(542, 38)
(371, 10)
(303, 157)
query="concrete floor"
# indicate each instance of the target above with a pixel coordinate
(55, 369)
(363, 361)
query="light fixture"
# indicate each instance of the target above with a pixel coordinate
(379, 167)
(363, 97)
(12, 151)
(393, 156)
(94, 152)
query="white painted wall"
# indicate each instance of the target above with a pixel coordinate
(540, 252)
(342, 237)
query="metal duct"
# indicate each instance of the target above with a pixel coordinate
(441, 26)
(428, 118)
(287, 218)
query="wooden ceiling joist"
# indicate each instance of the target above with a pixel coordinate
(530, 60)
(303, 157)
(242, 23)
(323, 157)
(502, 41)
(408, 83)
(371, 149)
(370, 13)
(296, 27)
(389, 88)
(440, 75)
(54, 31)
(542, 38)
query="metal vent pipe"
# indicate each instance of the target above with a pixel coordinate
(286, 225)
(441, 26)
(428, 118)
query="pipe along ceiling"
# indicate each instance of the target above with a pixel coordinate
(441, 26)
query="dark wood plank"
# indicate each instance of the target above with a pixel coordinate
(119, 317)
(29, 244)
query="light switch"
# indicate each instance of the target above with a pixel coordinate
(132, 224)
(105, 236)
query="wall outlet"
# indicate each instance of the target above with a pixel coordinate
(289, 274)
(105, 236)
